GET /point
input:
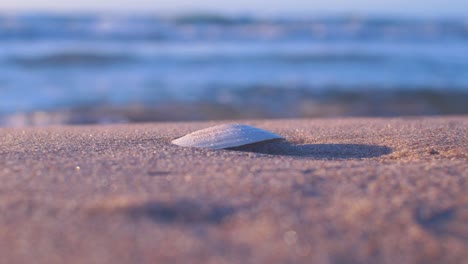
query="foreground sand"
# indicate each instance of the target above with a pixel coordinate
(341, 191)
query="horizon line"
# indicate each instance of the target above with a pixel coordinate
(233, 14)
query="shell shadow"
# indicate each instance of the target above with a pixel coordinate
(317, 151)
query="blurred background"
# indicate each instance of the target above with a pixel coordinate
(141, 60)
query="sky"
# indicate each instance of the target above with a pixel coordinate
(403, 7)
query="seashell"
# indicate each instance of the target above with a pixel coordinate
(225, 136)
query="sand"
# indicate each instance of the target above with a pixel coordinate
(339, 191)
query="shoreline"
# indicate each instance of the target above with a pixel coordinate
(253, 103)
(340, 190)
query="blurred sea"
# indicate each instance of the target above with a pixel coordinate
(90, 68)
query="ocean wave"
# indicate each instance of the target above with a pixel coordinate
(215, 26)
(211, 19)
(69, 59)
(103, 59)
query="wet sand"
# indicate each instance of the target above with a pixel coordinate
(338, 191)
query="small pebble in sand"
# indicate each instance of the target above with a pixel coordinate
(433, 152)
(225, 136)
(77, 168)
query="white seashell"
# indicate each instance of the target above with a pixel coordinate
(225, 136)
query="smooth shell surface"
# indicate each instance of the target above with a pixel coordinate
(225, 136)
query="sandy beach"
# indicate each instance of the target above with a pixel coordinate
(356, 190)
